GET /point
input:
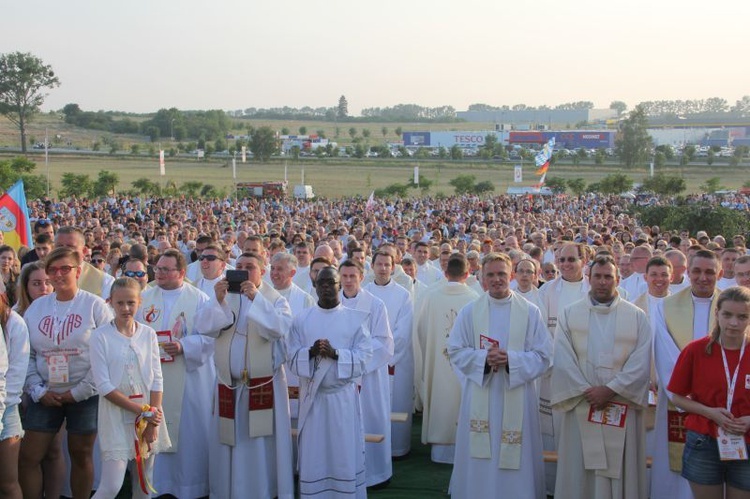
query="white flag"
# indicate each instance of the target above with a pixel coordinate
(162, 167)
(416, 175)
(518, 174)
(244, 153)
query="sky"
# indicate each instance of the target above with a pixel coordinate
(143, 55)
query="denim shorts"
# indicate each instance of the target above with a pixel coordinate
(11, 423)
(701, 464)
(80, 417)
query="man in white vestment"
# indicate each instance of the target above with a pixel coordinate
(283, 270)
(635, 285)
(398, 302)
(742, 271)
(302, 275)
(679, 319)
(498, 347)
(212, 266)
(679, 267)
(251, 444)
(570, 286)
(329, 347)
(170, 307)
(527, 277)
(600, 384)
(728, 257)
(427, 273)
(193, 270)
(375, 394)
(91, 279)
(441, 392)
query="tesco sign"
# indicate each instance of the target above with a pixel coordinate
(468, 139)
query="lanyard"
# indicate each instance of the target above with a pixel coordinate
(731, 383)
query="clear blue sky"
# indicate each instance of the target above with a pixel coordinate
(142, 55)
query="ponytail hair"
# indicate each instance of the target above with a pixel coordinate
(737, 294)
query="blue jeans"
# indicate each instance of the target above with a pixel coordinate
(701, 464)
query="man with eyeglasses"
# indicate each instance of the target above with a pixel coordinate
(91, 279)
(554, 296)
(170, 308)
(136, 269)
(193, 271)
(250, 446)
(213, 266)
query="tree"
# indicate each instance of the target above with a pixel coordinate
(456, 152)
(662, 184)
(615, 183)
(384, 131)
(294, 151)
(191, 188)
(21, 168)
(343, 109)
(484, 186)
(263, 143)
(618, 106)
(106, 183)
(558, 185)
(712, 185)
(284, 131)
(135, 149)
(577, 186)
(352, 132)
(633, 142)
(74, 184)
(399, 131)
(303, 130)
(22, 78)
(463, 184)
(366, 133)
(689, 151)
(146, 186)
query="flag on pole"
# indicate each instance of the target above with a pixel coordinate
(543, 157)
(14, 217)
(416, 175)
(540, 184)
(370, 202)
(162, 167)
(518, 174)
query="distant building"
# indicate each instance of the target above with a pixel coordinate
(532, 119)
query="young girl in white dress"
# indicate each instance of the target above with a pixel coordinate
(127, 372)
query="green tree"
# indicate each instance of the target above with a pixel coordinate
(615, 183)
(146, 187)
(618, 106)
(191, 188)
(285, 131)
(366, 133)
(689, 151)
(599, 157)
(74, 184)
(711, 157)
(384, 131)
(352, 132)
(399, 131)
(456, 152)
(424, 183)
(484, 186)
(22, 168)
(294, 151)
(577, 186)
(23, 77)
(633, 142)
(712, 185)
(667, 150)
(303, 130)
(463, 184)
(106, 183)
(263, 143)
(716, 219)
(135, 149)
(662, 184)
(660, 159)
(558, 185)
(343, 108)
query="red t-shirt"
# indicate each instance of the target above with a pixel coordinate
(701, 376)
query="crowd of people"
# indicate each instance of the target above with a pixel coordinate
(266, 348)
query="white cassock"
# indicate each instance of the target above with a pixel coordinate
(441, 392)
(255, 467)
(419, 290)
(665, 483)
(428, 273)
(398, 302)
(302, 277)
(635, 285)
(207, 285)
(375, 395)
(725, 282)
(553, 297)
(532, 295)
(182, 471)
(331, 438)
(675, 288)
(601, 345)
(193, 271)
(474, 477)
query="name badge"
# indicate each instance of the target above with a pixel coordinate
(612, 415)
(731, 446)
(59, 372)
(164, 337)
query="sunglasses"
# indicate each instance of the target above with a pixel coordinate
(210, 258)
(97, 260)
(570, 259)
(134, 273)
(62, 270)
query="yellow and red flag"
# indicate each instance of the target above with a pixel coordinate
(14, 217)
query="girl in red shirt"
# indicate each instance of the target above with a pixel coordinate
(711, 381)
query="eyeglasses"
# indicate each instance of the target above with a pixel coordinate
(210, 258)
(164, 270)
(97, 260)
(569, 259)
(62, 270)
(134, 273)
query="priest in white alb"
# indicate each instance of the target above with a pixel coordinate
(329, 347)
(499, 347)
(441, 392)
(600, 385)
(250, 424)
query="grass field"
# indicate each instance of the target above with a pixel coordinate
(329, 177)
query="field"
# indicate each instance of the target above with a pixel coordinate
(329, 177)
